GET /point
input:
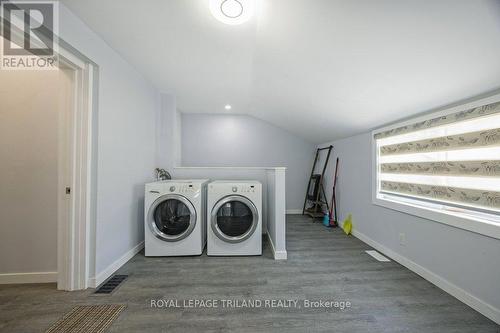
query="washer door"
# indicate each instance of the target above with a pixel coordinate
(234, 219)
(171, 217)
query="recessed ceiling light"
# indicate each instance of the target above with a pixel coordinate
(227, 107)
(232, 11)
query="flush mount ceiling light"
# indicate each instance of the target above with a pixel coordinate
(232, 12)
(227, 107)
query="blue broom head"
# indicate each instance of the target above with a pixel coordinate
(326, 220)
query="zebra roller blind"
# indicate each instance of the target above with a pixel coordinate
(451, 159)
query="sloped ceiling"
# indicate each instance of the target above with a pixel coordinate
(322, 69)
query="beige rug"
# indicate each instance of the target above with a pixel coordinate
(87, 319)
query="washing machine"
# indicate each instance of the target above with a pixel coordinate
(234, 218)
(175, 217)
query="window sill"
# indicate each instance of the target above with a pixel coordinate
(452, 218)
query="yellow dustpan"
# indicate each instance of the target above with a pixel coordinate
(347, 225)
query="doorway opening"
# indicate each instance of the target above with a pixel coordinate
(48, 170)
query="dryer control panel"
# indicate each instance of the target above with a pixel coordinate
(243, 189)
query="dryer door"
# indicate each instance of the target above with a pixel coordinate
(172, 217)
(234, 219)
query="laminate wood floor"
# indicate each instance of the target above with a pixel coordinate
(323, 264)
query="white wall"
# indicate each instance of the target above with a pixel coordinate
(243, 141)
(465, 259)
(168, 140)
(126, 158)
(29, 115)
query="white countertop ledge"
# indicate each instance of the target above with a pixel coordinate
(234, 168)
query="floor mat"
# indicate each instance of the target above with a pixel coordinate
(87, 319)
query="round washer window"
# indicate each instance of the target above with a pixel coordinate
(234, 218)
(172, 217)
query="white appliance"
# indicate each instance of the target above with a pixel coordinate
(175, 217)
(234, 218)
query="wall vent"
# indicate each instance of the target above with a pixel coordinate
(377, 255)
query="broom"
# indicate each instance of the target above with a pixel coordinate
(333, 206)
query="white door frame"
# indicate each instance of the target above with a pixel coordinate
(75, 210)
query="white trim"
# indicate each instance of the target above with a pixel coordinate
(277, 255)
(64, 204)
(477, 304)
(462, 221)
(294, 211)
(74, 224)
(34, 277)
(108, 271)
(276, 214)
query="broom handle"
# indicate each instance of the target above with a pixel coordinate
(334, 185)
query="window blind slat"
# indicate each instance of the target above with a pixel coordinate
(443, 120)
(460, 141)
(470, 197)
(473, 183)
(472, 154)
(459, 168)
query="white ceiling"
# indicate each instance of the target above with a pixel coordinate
(322, 69)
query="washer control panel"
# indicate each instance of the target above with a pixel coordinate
(187, 188)
(244, 189)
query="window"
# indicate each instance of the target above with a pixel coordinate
(445, 167)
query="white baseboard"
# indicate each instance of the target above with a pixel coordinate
(294, 211)
(35, 277)
(278, 255)
(105, 274)
(480, 306)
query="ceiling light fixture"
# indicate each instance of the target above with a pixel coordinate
(232, 12)
(227, 107)
(231, 8)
